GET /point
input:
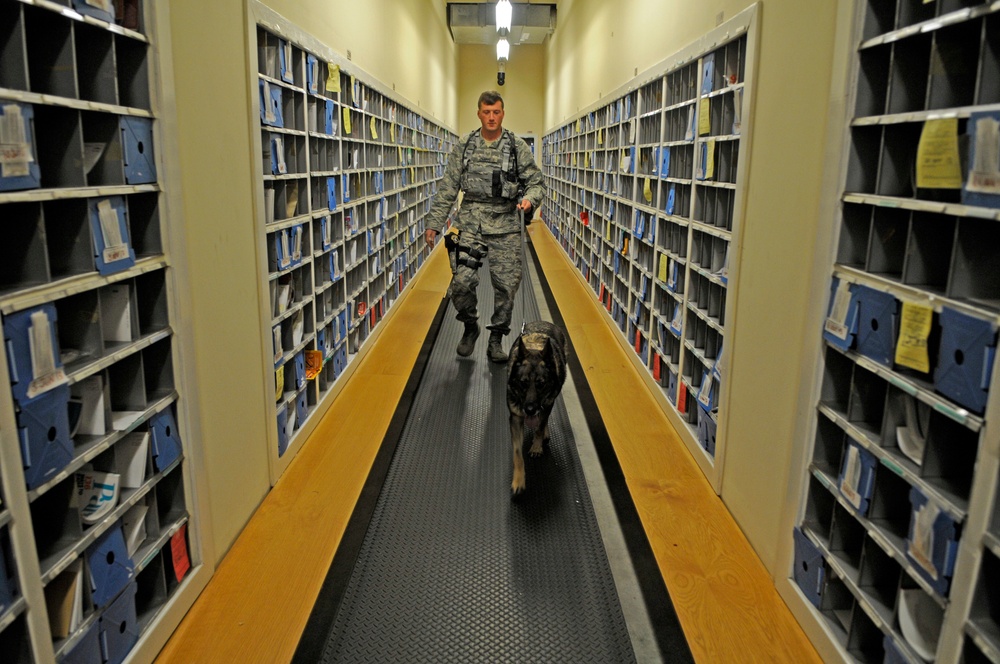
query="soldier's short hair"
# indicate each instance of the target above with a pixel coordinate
(489, 98)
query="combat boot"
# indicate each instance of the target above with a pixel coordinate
(468, 339)
(494, 350)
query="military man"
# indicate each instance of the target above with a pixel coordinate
(498, 176)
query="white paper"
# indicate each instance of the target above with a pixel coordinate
(91, 155)
(285, 259)
(276, 340)
(134, 525)
(121, 420)
(131, 453)
(284, 297)
(920, 620)
(921, 547)
(45, 374)
(92, 411)
(268, 206)
(852, 477)
(268, 110)
(705, 393)
(15, 150)
(290, 420)
(96, 494)
(279, 153)
(298, 328)
(326, 232)
(111, 232)
(836, 323)
(985, 175)
(297, 243)
(116, 313)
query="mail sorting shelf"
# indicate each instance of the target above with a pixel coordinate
(87, 326)
(348, 174)
(901, 471)
(644, 192)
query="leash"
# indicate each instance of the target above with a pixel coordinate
(524, 270)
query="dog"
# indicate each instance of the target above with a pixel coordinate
(536, 371)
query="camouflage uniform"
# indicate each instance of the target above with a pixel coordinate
(488, 218)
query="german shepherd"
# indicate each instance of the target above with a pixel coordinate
(536, 370)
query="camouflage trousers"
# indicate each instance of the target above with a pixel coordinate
(504, 252)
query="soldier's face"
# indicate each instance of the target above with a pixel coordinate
(491, 115)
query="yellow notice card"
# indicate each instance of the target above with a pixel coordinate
(574, 159)
(279, 383)
(915, 327)
(586, 160)
(600, 137)
(371, 124)
(578, 125)
(347, 120)
(332, 78)
(392, 132)
(705, 117)
(938, 164)
(647, 192)
(662, 274)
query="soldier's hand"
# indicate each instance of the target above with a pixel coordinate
(529, 212)
(429, 236)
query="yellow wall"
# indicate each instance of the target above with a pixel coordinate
(597, 47)
(214, 100)
(523, 92)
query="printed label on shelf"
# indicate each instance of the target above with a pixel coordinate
(15, 150)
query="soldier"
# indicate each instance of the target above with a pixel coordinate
(497, 174)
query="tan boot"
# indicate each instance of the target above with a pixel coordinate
(468, 341)
(494, 350)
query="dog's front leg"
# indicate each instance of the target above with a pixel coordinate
(541, 433)
(517, 442)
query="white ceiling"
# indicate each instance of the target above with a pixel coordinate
(475, 22)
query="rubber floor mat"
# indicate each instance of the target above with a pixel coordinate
(450, 568)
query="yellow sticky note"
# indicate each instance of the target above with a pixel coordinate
(709, 159)
(600, 137)
(938, 163)
(914, 328)
(578, 125)
(392, 132)
(662, 274)
(347, 120)
(574, 159)
(332, 78)
(647, 192)
(279, 383)
(371, 124)
(705, 117)
(586, 160)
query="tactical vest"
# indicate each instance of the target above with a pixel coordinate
(492, 179)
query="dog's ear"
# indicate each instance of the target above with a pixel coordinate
(519, 348)
(548, 353)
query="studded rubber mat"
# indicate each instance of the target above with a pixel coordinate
(450, 568)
